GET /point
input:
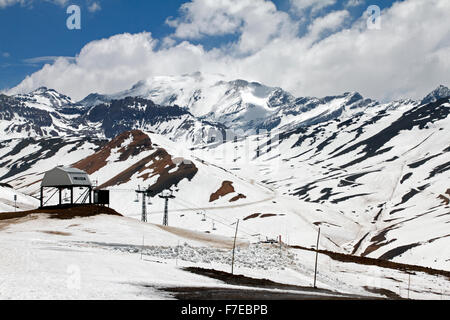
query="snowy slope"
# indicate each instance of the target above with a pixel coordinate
(386, 170)
(370, 181)
(111, 257)
(12, 200)
(24, 161)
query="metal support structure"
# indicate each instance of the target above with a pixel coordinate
(42, 197)
(166, 196)
(166, 212)
(145, 194)
(144, 208)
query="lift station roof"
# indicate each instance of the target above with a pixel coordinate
(66, 177)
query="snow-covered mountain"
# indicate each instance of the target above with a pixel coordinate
(191, 109)
(371, 175)
(386, 170)
(46, 113)
(239, 105)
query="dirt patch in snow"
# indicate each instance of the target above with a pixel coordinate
(444, 199)
(252, 216)
(57, 233)
(159, 164)
(63, 213)
(379, 241)
(347, 258)
(7, 222)
(226, 188)
(388, 293)
(262, 216)
(241, 280)
(238, 197)
(140, 142)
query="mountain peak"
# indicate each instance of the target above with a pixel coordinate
(440, 92)
(40, 89)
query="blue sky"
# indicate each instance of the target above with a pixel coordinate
(308, 47)
(38, 29)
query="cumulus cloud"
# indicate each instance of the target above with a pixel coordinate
(408, 57)
(314, 5)
(331, 22)
(256, 21)
(354, 3)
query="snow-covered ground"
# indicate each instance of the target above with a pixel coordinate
(109, 257)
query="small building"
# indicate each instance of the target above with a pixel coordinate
(63, 178)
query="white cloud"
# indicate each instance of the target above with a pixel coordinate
(331, 22)
(6, 54)
(408, 57)
(7, 3)
(313, 5)
(45, 59)
(354, 3)
(94, 7)
(256, 21)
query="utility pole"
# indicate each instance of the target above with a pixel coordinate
(166, 196)
(317, 256)
(234, 246)
(409, 283)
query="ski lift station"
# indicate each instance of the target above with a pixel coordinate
(68, 178)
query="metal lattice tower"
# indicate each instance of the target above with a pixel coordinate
(144, 208)
(166, 196)
(145, 194)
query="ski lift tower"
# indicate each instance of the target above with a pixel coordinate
(145, 194)
(166, 195)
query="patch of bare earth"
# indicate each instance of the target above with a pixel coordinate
(444, 199)
(57, 233)
(63, 213)
(262, 216)
(140, 142)
(158, 164)
(5, 223)
(226, 188)
(387, 293)
(348, 258)
(379, 241)
(238, 197)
